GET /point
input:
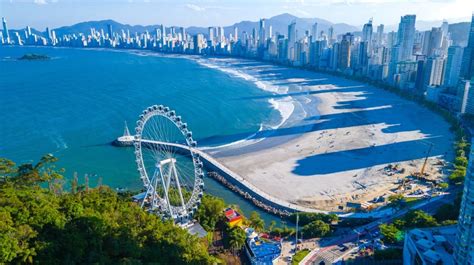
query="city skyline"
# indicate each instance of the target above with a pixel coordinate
(44, 13)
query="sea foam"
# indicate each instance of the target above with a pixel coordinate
(285, 106)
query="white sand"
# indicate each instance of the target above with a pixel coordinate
(325, 160)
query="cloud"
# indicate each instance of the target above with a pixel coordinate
(40, 2)
(195, 7)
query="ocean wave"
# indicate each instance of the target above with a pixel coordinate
(285, 106)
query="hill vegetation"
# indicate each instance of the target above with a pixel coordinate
(42, 223)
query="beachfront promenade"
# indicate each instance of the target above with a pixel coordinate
(233, 177)
(265, 198)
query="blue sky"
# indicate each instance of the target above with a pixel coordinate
(55, 13)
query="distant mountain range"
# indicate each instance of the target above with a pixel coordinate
(279, 23)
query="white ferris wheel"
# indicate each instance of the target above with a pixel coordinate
(168, 164)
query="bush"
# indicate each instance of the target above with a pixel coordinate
(316, 228)
(391, 234)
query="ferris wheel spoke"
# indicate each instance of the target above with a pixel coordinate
(164, 151)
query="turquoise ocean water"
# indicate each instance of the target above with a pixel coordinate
(75, 104)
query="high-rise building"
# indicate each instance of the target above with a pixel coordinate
(445, 28)
(344, 54)
(291, 40)
(379, 38)
(467, 71)
(6, 35)
(433, 71)
(435, 41)
(109, 31)
(464, 249)
(406, 37)
(221, 34)
(453, 66)
(236, 33)
(198, 40)
(261, 33)
(367, 31)
(211, 35)
(331, 35)
(314, 32)
(48, 33)
(163, 34)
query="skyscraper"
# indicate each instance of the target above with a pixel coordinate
(6, 35)
(261, 33)
(468, 58)
(314, 32)
(380, 35)
(109, 31)
(211, 35)
(464, 249)
(406, 37)
(434, 71)
(236, 33)
(291, 40)
(163, 34)
(367, 31)
(344, 54)
(453, 66)
(435, 41)
(331, 35)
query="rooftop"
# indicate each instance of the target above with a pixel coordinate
(434, 244)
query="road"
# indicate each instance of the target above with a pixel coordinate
(317, 255)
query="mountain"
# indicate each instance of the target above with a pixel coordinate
(459, 33)
(279, 24)
(84, 27)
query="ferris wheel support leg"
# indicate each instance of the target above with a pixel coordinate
(166, 191)
(175, 174)
(149, 190)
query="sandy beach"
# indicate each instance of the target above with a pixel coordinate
(335, 139)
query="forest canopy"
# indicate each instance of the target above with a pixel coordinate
(42, 223)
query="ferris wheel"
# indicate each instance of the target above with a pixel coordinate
(168, 164)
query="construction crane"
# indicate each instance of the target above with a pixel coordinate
(421, 174)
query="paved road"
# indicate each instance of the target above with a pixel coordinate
(322, 254)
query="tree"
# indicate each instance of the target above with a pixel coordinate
(419, 219)
(306, 218)
(391, 234)
(210, 211)
(256, 221)
(40, 226)
(443, 185)
(316, 228)
(397, 200)
(272, 225)
(457, 175)
(237, 238)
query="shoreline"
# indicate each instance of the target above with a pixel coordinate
(355, 122)
(407, 135)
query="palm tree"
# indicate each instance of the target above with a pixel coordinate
(272, 225)
(236, 239)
